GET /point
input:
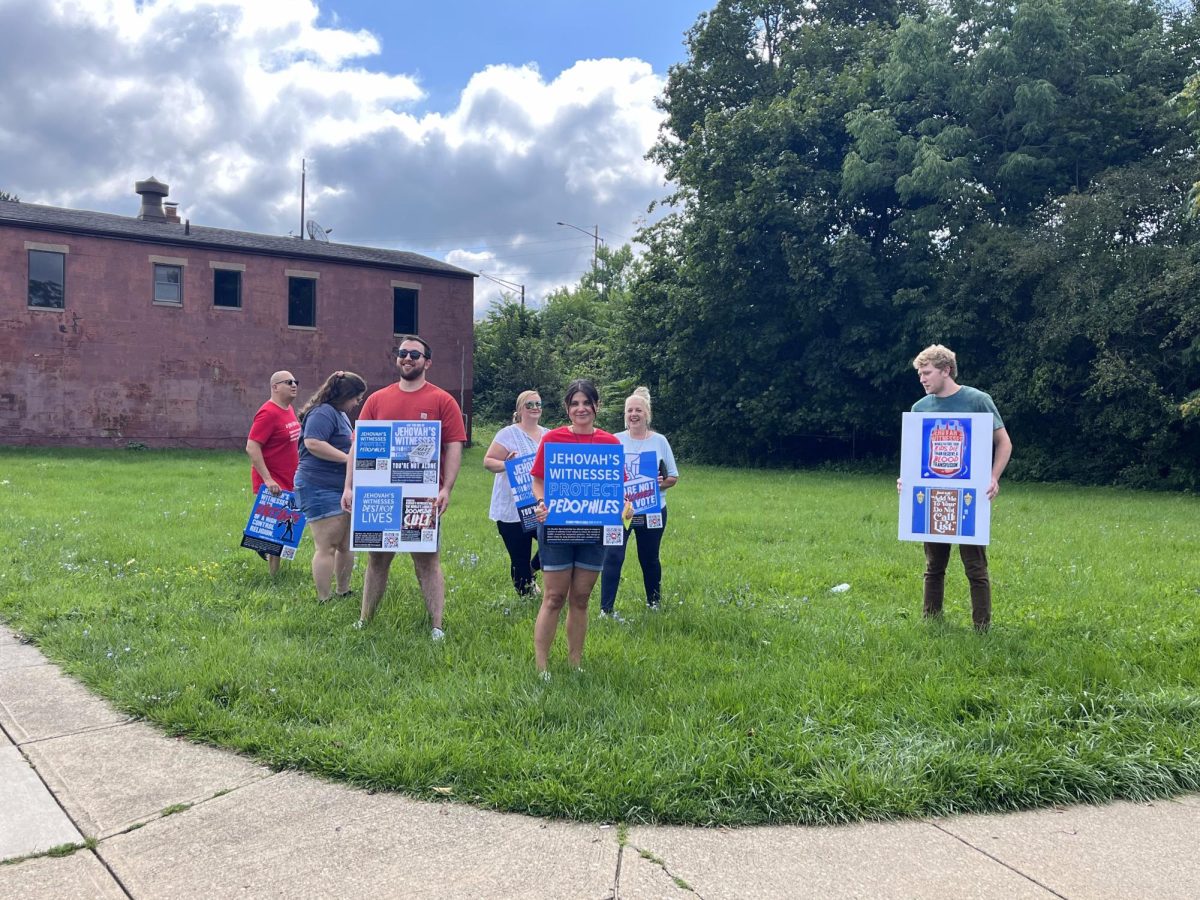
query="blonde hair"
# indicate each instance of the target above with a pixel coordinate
(643, 394)
(521, 398)
(939, 357)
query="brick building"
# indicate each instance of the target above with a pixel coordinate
(115, 329)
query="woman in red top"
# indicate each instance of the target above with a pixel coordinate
(569, 570)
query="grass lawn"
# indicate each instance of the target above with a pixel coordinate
(755, 695)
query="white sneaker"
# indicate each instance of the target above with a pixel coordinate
(544, 675)
(360, 625)
(614, 615)
(437, 635)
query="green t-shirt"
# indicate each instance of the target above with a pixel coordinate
(964, 400)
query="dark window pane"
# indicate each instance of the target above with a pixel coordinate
(47, 279)
(302, 302)
(227, 288)
(404, 311)
(168, 283)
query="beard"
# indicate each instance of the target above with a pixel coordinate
(412, 374)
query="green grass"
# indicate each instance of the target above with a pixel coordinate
(756, 695)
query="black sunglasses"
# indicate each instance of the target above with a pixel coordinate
(289, 381)
(411, 354)
(533, 404)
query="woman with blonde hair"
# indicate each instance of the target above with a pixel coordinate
(521, 438)
(638, 438)
(324, 452)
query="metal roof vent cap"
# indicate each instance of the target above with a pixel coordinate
(152, 192)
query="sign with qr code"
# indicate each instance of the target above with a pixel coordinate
(396, 486)
(276, 524)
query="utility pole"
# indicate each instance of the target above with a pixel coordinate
(594, 234)
(507, 284)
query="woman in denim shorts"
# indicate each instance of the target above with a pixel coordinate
(324, 452)
(569, 570)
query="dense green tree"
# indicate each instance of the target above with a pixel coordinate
(858, 180)
(510, 357)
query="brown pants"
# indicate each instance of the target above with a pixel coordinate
(974, 558)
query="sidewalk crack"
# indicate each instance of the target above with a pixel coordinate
(662, 864)
(999, 861)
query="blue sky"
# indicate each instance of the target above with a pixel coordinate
(461, 130)
(443, 44)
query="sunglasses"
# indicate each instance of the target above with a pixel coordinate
(289, 381)
(411, 354)
(533, 404)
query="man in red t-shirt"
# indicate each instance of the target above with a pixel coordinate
(413, 398)
(274, 442)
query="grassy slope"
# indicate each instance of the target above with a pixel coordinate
(756, 695)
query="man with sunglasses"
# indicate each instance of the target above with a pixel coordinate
(413, 398)
(273, 444)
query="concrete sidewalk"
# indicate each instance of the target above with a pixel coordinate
(167, 818)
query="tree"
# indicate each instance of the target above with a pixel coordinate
(857, 181)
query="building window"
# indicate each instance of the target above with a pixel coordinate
(404, 311)
(302, 302)
(227, 288)
(168, 284)
(47, 279)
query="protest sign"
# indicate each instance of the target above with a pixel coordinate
(520, 482)
(395, 478)
(584, 494)
(945, 471)
(641, 488)
(275, 525)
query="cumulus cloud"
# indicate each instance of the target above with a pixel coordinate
(222, 99)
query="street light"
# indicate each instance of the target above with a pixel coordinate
(594, 234)
(507, 284)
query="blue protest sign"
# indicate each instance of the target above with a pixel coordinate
(275, 525)
(641, 483)
(584, 493)
(395, 486)
(520, 482)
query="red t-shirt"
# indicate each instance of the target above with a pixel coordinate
(277, 430)
(565, 435)
(427, 404)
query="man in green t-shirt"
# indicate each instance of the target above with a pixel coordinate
(937, 367)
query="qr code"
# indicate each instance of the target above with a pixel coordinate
(429, 476)
(381, 465)
(614, 535)
(391, 540)
(654, 520)
(428, 535)
(288, 553)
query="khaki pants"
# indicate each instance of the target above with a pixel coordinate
(974, 558)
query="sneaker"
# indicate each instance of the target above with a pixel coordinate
(544, 675)
(360, 625)
(437, 635)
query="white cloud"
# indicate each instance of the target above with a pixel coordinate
(221, 99)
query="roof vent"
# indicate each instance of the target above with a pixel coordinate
(152, 192)
(172, 212)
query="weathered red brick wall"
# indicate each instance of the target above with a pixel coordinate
(114, 367)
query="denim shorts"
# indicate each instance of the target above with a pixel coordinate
(560, 557)
(318, 502)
